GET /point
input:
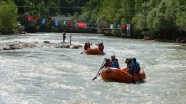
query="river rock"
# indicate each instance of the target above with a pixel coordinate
(62, 46)
(20, 45)
(75, 46)
(46, 42)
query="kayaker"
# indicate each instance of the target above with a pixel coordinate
(115, 63)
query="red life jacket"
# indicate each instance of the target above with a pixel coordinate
(86, 47)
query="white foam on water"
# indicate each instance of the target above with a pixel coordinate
(50, 75)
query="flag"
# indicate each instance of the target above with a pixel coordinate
(64, 22)
(60, 22)
(119, 26)
(123, 26)
(29, 18)
(101, 26)
(43, 21)
(105, 26)
(71, 24)
(111, 26)
(49, 20)
(81, 25)
(76, 24)
(56, 22)
(128, 26)
(128, 30)
(36, 19)
(86, 25)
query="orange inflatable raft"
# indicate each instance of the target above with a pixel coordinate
(94, 51)
(181, 41)
(122, 75)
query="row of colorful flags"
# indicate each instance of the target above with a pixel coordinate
(79, 24)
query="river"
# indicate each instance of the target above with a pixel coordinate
(50, 75)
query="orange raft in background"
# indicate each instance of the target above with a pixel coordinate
(94, 51)
(181, 41)
(121, 75)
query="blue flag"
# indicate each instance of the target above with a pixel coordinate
(56, 22)
(111, 26)
(43, 21)
(64, 22)
(76, 24)
(119, 26)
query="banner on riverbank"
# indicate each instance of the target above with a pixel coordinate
(81, 24)
(84, 24)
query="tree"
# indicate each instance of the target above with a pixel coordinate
(181, 14)
(8, 16)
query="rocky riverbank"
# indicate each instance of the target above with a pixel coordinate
(20, 45)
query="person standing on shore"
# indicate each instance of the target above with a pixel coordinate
(64, 36)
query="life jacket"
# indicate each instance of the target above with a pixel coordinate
(108, 63)
(135, 67)
(115, 63)
(86, 47)
(101, 47)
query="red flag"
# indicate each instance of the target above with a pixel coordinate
(81, 25)
(49, 20)
(123, 26)
(29, 18)
(105, 26)
(71, 24)
(36, 19)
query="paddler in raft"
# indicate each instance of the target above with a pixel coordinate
(87, 46)
(111, 64)
(133, 66)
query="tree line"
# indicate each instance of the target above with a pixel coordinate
(40, 8)
(154, 18)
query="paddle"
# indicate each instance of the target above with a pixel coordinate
(99, 70)
(82, 52)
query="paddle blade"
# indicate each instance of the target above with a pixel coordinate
(94, 78)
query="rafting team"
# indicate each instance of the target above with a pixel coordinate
(133, 66)
(100, 46)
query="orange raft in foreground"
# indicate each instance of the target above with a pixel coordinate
(121, 75)
(94, 51)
